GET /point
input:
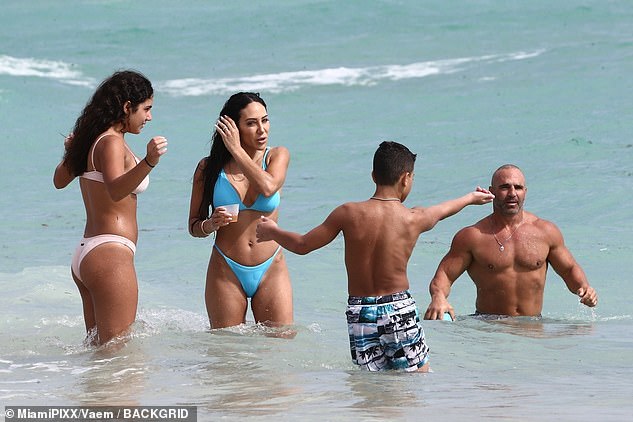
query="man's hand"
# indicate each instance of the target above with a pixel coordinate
(438, 308)
(588, 296)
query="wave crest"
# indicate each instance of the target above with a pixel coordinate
(50, 69)
(272, 82)
(345, 76)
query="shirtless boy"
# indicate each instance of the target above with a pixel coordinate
(380, 233)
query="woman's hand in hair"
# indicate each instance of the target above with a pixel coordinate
(229, 132)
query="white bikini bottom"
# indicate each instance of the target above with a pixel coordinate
(89, 243)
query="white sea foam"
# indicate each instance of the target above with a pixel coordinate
(153, 321)
(345, 76)
(41, 68)
(127, 371)
(272, 82)
(29, 381)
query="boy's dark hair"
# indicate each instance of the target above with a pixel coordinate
(391, 160)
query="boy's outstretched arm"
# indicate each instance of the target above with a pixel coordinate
(445, 209)
(316, 238)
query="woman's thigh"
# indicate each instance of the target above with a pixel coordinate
(272, 304)
(109, 275)
(225, 300)
(86, 300)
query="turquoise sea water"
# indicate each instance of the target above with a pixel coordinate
(466, 85)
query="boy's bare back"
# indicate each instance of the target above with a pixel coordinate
(379, 239)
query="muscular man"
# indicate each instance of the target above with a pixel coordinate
(506, 254)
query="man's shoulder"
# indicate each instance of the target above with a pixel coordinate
(477, 227)
(537, 222)
(544, 227)
(470, 236)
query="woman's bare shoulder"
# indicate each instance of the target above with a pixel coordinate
(278, 152)
(109, 141)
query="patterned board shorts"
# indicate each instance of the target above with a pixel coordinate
(385, 332)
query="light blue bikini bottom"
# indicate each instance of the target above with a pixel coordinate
(249, 277)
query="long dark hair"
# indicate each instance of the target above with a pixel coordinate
(219, 155)
(105, 108)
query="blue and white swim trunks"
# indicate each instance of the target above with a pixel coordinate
(385, 332)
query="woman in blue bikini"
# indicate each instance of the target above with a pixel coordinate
(110, 178)
(242, 169)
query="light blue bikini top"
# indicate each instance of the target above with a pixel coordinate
(224, 194)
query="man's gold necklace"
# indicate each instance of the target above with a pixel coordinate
(501, 247)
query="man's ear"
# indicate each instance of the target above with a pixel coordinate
(127, 108)
(373, 177)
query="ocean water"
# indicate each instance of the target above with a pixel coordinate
(466, 85)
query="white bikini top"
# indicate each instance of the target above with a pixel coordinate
(97, 176)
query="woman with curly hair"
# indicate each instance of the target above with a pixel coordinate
(110, 178)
